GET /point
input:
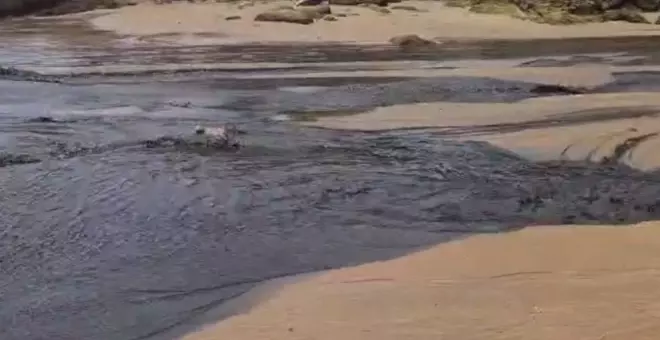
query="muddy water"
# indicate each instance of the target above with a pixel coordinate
(107, 234)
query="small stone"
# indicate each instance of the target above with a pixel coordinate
(407, 8)
(309, 2)
(556, 89)
(409, 41)
(287, 16)
(330, 18)
(233, 17)
(359, 2)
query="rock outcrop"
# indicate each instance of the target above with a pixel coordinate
(561, 12)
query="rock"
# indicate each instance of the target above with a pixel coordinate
(556, 89)
(626, 15)
(558, 12)
(407, 8)
(233, 17)
(11, 73)
(309, 2)
(585, 7)
(223, 137)
(612, 4)
(377, 8)
(7, 159)
(330, 18)
(360, 2)
(562, 12)
(288, 16)
(411, 41)
(315, 12)
(42, 119)
(657, 21)
(647, 5)
(487, 7)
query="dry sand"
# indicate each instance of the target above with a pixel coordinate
(541, 283)
(177, 22)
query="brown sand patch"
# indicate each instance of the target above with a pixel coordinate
(539, 283)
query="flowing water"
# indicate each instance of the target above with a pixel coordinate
(106, 233)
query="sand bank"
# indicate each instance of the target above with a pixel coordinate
(539, 283)
(577, 127)
(433, 20)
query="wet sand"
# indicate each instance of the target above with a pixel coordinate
(578, 127)
(541, 283)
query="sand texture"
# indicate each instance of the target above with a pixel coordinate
(541, 283)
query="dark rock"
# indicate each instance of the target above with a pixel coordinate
(315, 12)
(287, 16)
(626, 15)
(378, 9)
(558, 89)
(612, 4)
(233, 17)
(7, 159)
(360, 2)
(42, 119)
(11, 73)
(407, 8)
(561, 12)
(647, 5)
(411, 41)
(309, 2)
(585, 7)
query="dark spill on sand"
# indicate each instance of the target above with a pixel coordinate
(107, 234)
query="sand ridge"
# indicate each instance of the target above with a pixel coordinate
(577, 127)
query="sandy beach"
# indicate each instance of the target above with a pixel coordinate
(543, 282)
(432, 20)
